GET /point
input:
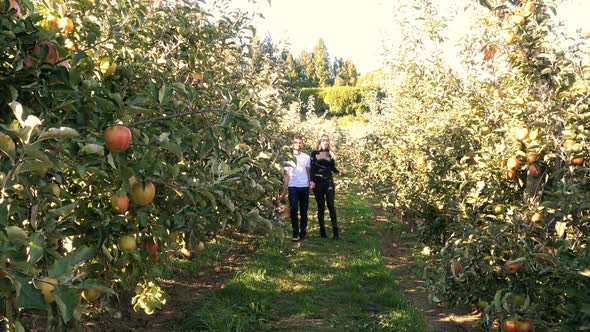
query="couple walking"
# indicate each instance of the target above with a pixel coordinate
(310, 172)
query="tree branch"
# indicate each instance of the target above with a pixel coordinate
(177, 115)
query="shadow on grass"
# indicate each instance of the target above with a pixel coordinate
(316, 285)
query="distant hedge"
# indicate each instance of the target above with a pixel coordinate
(342, 100)
(318, 94)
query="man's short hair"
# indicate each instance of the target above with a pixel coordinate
(298, 137)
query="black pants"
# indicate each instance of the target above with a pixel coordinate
(298, 200)
(324, 194)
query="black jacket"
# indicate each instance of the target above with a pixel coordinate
(322, 169)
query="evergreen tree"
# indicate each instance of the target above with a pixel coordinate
(291, 68)
(306, 69)
(351, 72)
(321, 64)
(347, 74)
(263, 51)
(337, 64)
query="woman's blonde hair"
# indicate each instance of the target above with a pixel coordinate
(331, 149)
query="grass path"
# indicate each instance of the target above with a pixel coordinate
(314, 285)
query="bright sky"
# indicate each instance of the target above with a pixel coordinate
(350, 29)
(356, 29)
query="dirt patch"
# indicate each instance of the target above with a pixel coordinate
(184, 291)
(398, 255)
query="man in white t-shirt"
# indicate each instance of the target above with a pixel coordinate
(296, 180)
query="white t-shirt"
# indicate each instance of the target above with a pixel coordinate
(298, 176)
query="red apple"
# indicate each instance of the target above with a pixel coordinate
(120, 203)
(51, 21)
(12, 4)
(513, 163)
(509, 326)
(536, 217)
(534, 170)
(525, 326)
(143, 194)
(512, 267)
(117, 138)
(510, 174)
(151, 248)
(51, 57)
(66, 24)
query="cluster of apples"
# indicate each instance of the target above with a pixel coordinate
(118, 139)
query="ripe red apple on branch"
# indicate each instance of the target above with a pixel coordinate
(51, 57)
(151, 247)
(120, 203)
(143, 194)
(512, 267)
(513, 163)
(536, 217)
(12, 4)
(117, 138)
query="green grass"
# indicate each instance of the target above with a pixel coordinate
(320, 285)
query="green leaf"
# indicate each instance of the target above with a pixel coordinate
(19, 327)
(61, 266)
(137, 100)
(67, 300)
(75, 76)
(27, 295)
(585, 308)
(180, 87)
(173, 148)
(30, 122)
(13, 93)
(33, 151)
(83, 254)
(560, 227)
(585, 273)
(162, 94)
(175, 170)
(64, 209)
(228, 119)
(35, 166)
(212, 142)
(17, 235)
(111, 161)
(63, 132)
(7, 146)
(66, 264)
(92, 148)
(97, 284)
(91, 38)
(36, 247)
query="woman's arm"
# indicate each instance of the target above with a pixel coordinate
(333, 166)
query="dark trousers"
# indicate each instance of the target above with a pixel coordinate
(298, 200)
(324, 195)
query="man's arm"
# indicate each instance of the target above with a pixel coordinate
(285, 185)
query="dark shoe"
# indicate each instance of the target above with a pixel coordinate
(323, 235)
(335, 237)
(302, 237)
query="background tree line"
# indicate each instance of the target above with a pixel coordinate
(310, 69)
(322, 85)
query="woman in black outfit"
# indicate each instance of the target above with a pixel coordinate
(322, 183)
